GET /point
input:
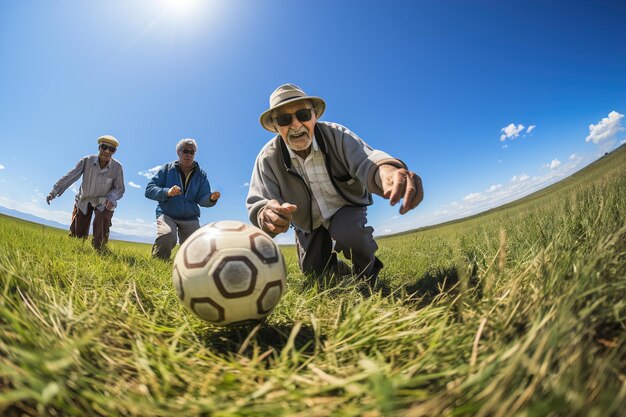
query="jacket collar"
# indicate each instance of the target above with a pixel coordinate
(193, 168)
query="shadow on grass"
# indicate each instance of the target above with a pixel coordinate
(440, 281)
(266, 338)
(131, 260)
(336, 284)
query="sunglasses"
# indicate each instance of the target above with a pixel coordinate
(111, 149)
(303, 115)
(188, 151)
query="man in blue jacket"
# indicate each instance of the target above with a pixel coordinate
(180, 187)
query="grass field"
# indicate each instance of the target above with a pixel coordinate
(520, 311)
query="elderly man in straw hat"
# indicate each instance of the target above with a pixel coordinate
(102, 186)
(319, 176)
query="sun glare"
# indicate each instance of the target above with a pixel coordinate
(179, 19)
(183, 7)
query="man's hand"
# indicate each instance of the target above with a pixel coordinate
(215, 196)
(276, 217)
(49, 198)
(398, 183)
(109, 205)
(174, 191)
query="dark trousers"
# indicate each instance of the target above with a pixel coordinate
(101, 225)
(347, 228)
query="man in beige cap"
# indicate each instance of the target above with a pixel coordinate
(318, 177)
(102, 186)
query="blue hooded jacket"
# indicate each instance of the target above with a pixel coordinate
(196, 192)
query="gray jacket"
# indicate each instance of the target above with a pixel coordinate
(351, 165)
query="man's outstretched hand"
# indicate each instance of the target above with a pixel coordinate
(275, 217)
(400, 183)
(215, 195)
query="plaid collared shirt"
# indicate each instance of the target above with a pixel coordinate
(326, 200)
(98, 185)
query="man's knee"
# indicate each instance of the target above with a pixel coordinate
(359, 242)
(166, 239)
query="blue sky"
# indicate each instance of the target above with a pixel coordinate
(486, 100)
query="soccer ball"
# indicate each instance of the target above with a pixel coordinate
(228, 272)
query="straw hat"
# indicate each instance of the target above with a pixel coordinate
(287, 94)
(109, 140)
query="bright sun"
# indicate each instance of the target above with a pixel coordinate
(182, 7)
(179, 17)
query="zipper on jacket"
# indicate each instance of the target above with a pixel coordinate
(322, 144)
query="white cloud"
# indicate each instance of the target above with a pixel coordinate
(511, 131)
(134, 228)
(554, 164)
(472, 196)
(132, 184)
(575, 157)
(150, 172)
(506, 145)
(1, 166)
(530, 128)
(493, 188)
(606, 128)
(245, 185)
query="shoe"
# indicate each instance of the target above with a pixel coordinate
(343, 270)
(378, 265)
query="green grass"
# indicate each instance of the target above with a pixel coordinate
(521, 311)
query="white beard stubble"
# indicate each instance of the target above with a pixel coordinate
(302, 143)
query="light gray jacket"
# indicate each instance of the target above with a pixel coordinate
(351, 165)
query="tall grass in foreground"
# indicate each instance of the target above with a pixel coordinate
(518, 312)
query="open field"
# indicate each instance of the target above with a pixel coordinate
(521, 311)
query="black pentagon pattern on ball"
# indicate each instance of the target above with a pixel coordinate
(179, 288)
(204, 302)
(190, 261)
(269, 287)
(235, 271)
(229, 226)
(264, 248)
